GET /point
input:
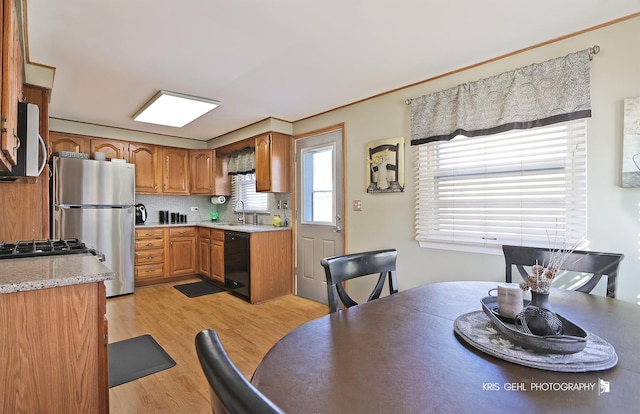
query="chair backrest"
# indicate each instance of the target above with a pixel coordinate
(230, 390)
(594, 264)
(339, 269)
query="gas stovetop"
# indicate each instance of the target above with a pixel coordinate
(33, 248)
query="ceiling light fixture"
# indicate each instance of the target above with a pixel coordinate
(174, 109)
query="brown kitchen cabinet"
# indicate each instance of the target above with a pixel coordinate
(60, 141)
(25, 203)
(273, 162)
(112, 148)
(10, 85)
(204, 252)
(146, 158)
(150, 256)
(175, 170)
(203, 163)
(182, 251)
(217, 255)
(54, 350)
(271, 265)
(222, 180)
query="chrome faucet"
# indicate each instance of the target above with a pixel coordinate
(241, 217)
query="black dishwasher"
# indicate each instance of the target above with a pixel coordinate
(236, 263)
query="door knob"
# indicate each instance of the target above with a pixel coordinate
(337, 229)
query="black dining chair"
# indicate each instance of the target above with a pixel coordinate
(230, 391)
(594, 265)
(339, 269)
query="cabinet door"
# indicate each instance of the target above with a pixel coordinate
(273, 162)
(59, 141)
(222, 180)
(204, 256)
(12, 80)
(111, 148)
(148, 168)
(263, 163)
(175, 171)
(217, 260)
(202, 170)
(182, 256)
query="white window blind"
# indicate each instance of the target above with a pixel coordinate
(244, 188)
(521, 187)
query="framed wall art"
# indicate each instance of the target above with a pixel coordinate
(385, 165)
(631, 143)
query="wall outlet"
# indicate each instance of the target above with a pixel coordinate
(194, 208)
(285, 204)
(357, 205)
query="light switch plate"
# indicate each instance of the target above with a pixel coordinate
(194, 208)
(357, 205)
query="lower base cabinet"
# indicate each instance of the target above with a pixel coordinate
(182, 251)
(54, 350)
(271, 264)
(172, 253)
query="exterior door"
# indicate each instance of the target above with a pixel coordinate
(319, 209)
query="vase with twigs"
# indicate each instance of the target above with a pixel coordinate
(538, 317)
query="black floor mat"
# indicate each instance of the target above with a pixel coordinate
(135, 358)
(193, 290)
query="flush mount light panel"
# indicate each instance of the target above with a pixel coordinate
(174, 109)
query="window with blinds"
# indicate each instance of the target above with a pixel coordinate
(244, 188)
(521, 187)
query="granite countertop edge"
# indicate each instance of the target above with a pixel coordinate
(26, 274)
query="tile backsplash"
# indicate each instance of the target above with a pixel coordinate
(183, 204)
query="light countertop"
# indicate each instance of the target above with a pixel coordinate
(33, 273)
(246, 228)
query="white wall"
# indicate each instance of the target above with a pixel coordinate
(387, 220)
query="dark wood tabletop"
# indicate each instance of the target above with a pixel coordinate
(399, 354)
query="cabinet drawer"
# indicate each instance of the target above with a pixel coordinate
(217, 235)
(204, 232)
(149, 233)
(149, 256)
(182, 232)
(150, 271)
(147, 244)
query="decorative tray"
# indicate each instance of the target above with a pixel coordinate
(480, 332)
(573, 340)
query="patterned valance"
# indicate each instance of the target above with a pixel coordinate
(556, 90)
(242, 162)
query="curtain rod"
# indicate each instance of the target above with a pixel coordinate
(592, 52)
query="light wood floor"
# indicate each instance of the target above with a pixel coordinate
(247, 332)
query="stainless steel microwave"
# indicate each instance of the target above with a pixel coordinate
(31, 143)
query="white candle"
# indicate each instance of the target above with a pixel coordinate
(509, 299)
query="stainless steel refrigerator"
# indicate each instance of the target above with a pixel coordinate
(94, 202)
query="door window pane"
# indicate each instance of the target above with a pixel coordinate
(318, 185)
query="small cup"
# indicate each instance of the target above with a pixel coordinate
(509, 299)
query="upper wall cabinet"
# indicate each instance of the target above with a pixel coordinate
(146, 157)
(202, 171)
(273, 162)
(61, 142)
(10, 86)
(111, 148)
(175, 170)
(209, 173)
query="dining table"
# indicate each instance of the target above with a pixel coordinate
(401, 354)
